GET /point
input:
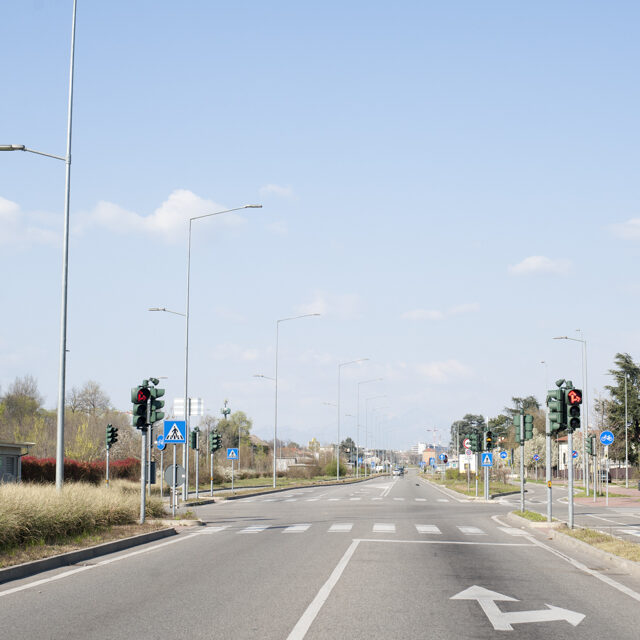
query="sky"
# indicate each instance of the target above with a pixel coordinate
(449, 184)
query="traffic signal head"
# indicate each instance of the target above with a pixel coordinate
(139, 397)
(528, 427)
(156, 404)
(556, 407)
(112, 435)
(589, 444)
(475, 442)
(518, 425)
(488, 441)
(573, 400)
(193, 439)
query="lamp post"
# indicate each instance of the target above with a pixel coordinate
(275, 421)
(358, 423)
(585, 424)
(340, 365)
(185, 457)
(626, 435)
(65, 260)
(375, 431)
(366, 425)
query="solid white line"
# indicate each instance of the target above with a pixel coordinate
(578, 565)
(312, 499)
(601, 518)
(307, 618)
(71, 572)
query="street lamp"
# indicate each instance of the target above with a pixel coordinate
(185, 457)
(275, 421)
(585, 424)
(65, 260)
(340, 365)
(358, 422)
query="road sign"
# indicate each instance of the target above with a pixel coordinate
(359, 460)
(168, 475)
(432, 462)
(503, 455)
(607, 438)
(468, 452)
(160, 445)
(442, 456)
(574, 454)
(373, 464)
(423, 463)
(502, 620)
(174, 431)
(536, 457)
(232, 454)
(466, 443)
(487, 459)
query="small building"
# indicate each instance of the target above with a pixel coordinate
(11, 460)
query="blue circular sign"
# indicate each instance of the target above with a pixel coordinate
(574, 454)
(442, 456)
(503, 455)
(536, 457)
(160, 445)
(607, 438)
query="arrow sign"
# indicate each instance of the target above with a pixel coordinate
(502, 620)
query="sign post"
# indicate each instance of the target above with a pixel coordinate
(175, 433)
(606, 438)
(232, 454)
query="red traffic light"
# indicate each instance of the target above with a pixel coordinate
(574, 396)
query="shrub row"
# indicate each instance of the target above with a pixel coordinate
(43, 470)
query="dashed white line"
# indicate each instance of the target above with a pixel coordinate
(296, 528)
(428, 528)
(472, 531)
(384, 527)
(256, 528)
(341, 527)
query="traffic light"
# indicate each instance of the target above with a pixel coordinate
(528, 427)
(573, 400)
(156, 405)
(218, 440)
(215, 441)
(475, 442)
(139, 397)
(519, 436)
(556, 406)
(112, 435)
(591, 446)
(488, 441)
(193, 439)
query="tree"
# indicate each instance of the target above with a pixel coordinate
(22, 400)
(610, 411)
(469, 421)
(90, 399)
(348, 448)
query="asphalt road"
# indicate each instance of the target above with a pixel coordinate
(382, 559)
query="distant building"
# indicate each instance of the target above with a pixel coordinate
(11, 460)
(419, 448)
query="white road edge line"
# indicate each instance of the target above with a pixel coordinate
(306, 620)
(578, 565)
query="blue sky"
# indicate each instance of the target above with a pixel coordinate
(449, 184)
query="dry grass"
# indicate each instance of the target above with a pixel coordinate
(611, 544)
(38, 514)
(534, 516)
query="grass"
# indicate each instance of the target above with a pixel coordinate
(460, 485)
(611, 544)
(37, 515)
(534, 516)
(600, 494)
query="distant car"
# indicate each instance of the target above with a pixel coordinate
(398, 471)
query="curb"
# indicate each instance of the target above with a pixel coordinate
(568, 543)
(64, 559)
(507, 493)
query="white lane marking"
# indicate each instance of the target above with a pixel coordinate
(630, 532)
(270, 500)
(341, 527)
(255, 528)
(428, 528)
(214, 529)
(421, 499)
(601, 518)
(296, 528)
(398, 498)
(428, 484)
(87, 567)
(453, 542)
(512, 531)
(385, 493)
(355, 498)
(578, 565)
(307, 618)
(291, 500)
(384, 527)
(376, 498)
(472, 531)
(312, 499)
(443, 500)
(334, 499)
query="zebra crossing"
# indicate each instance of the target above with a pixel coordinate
(345, 499)
(423, 529)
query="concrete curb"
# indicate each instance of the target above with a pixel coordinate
(64, 559)
(506, 493)
(567, 543)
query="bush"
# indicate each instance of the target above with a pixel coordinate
(331, 470)
(304, 471)
(43, 470)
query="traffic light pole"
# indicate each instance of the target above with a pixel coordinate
(521, 460)
(570, 474)
(108, 465)
(548, 467)
(211, 474)
(143, 474)
(197, 461)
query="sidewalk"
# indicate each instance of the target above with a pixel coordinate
(631, 498)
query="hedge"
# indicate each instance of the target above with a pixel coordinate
(43, 470)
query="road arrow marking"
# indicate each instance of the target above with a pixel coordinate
(502, 620)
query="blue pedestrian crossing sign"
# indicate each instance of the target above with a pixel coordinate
(174, 431)
(232, 453)
(487, 459)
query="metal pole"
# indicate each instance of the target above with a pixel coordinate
(198, 463)
(161, 474)
(477, 468)
(585, 425)
(570, 476)
(626, 436)
(275, 421)
(548, 468)
(606, 477)
(211, 474)
(107, 465)
(595, 471)
(232, 489)
(185, 450)
(65, 274)
(143, 474)
(358, 434)
(338, 443)
(521, 459)
(149, 446)
(175, 483)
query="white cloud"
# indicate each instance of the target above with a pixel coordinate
(443, 371)
(340, 305)
(436, 314)
(21, 228)
(629, 229)
(169, 220)
(276, 190)
(540, 264)
(229, 351)
(278, 228)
